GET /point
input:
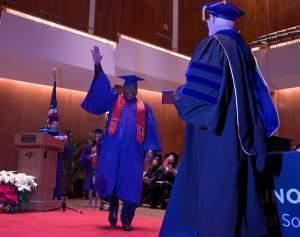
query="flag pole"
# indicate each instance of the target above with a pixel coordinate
(54, 71)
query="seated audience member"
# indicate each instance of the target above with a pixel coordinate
(148, 160)
(161, 190)
(151, 176)
(88, 160)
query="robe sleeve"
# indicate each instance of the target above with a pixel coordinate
(190, 109)
(196, 100)
(67, 151)
(84, 160)
(84, 157)
(152, 141)
(100, 96)
(266, 109)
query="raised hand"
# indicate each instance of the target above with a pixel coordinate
(97, 57)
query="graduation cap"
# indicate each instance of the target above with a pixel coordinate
(158, 157)
(131, 79)
(223, 10)
(98, 131)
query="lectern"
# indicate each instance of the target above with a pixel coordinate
(38, 157)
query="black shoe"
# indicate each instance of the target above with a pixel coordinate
(112, 218)
(126, 227)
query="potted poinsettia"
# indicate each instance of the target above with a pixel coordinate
(15, 188)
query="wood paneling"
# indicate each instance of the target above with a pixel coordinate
(24, 108)
(67, 12)
(151, 20)
(148, 20)
(191, 28)
(262, 17)
(283, 14)
(106, 19)
(254, 23)
(170, 127)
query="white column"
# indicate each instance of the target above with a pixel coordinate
(92, 16)
(175, 25)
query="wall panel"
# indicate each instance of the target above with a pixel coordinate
(24, 108)
(67, 12)
(283, 14)
(254, 23)
(148, 20)
(262, 17)
(191, 28)
(170, 127)
(288, 104)
(151, 20)
(106, 19)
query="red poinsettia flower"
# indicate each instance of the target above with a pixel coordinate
(8, 194)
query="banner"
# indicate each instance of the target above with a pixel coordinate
(282, 194)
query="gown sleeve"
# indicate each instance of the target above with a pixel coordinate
(84, 157)
(100, 96)
(152, 141)
(266, 109)
(197, 100)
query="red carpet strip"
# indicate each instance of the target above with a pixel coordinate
(90, 223)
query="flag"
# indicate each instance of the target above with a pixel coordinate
(52, 113)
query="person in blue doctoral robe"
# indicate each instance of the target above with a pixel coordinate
(228, 113)
(130, 132)
(52, 130)
(61, 158)
(88, 160)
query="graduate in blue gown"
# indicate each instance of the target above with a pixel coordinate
(88, 160)
(228, 113)
(61, 158)
(130, 132)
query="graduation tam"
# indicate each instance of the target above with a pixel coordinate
(131, 79)
(98, 131)
(223, 10)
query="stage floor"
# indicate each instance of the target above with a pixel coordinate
(91, 223)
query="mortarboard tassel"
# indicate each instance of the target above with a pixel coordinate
(203, 13)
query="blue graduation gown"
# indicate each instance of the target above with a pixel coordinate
(122, 156)
(226, 107)
(87, 165)
(61, 157)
